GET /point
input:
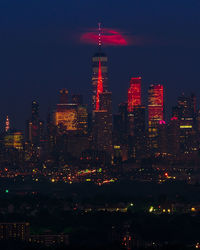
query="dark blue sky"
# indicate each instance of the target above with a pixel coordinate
(40, 52)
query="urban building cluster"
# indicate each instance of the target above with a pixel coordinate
(135, 133)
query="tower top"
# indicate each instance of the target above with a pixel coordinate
(7, 127)
(99, 37)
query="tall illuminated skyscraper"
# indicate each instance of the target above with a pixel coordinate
(136, 120)
(155, 114)
(134, 93)
(99, 74)
(155, 102)
(102, 103)
(187, 120)
(70, 117)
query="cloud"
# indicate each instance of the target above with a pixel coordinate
(109, 37)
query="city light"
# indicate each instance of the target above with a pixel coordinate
(151, 209)
(134, 93)
(155, 102)
(186, 126)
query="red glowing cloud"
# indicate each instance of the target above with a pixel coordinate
(108, 37)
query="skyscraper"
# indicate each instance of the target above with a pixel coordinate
(65, 116)
(134, 93)
(35, 126)
(136, 132)
(186, 115)
(71, 117)
(70, 121)
(14, 139)
(102, 103)
(155, 114)
(155, 102)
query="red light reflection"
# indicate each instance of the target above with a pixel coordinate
(108, 37)
(174, 118)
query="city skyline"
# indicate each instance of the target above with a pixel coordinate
(41, 55)
(99, 124)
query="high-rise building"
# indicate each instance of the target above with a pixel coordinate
(186, 118)
(123, 122)
(82, 119)
(14, 140)
(186, 115)
(136, 132)
(134, 93)
(99, 74)
(35, 127)
(136, 120)
(70, 129)
(163, 138)
(120, 132)
(155, 114)
(155, 102)
(102, 103)
(71, 116)
(65, 117)
(173, 136)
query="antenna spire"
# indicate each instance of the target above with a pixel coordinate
(100, 34)
(7, 127)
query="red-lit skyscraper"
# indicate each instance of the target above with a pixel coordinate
(155, 102)
(101, 102)
(134, 93)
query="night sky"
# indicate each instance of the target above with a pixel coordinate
(41, 52)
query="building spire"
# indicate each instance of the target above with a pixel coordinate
(99, 36)
(7, 127)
